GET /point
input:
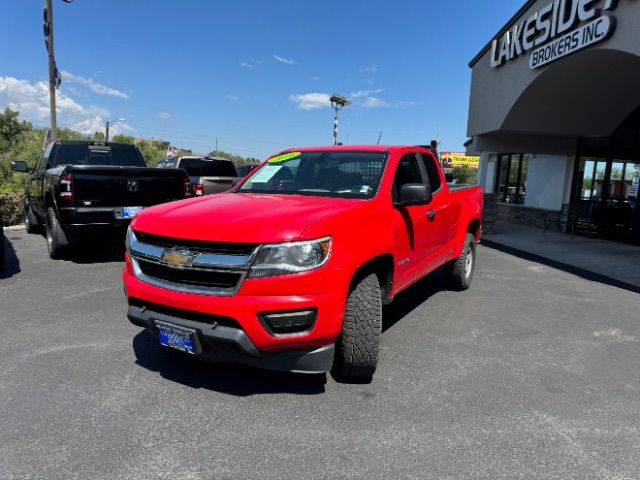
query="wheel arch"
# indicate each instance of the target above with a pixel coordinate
(382, 266)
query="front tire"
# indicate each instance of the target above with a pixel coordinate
(459, 272)
(57, 243)
(31, 223)
(358, 344)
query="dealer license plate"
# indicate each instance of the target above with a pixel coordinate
(177, 337)
(130, 212)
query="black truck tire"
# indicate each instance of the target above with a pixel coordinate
(31, 223)
(57, 242)
(459, 272)
(357, 347)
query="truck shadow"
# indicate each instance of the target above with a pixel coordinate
(9, 262)
(241, 380)
(105, 248)
(411, 298)
(225, 378)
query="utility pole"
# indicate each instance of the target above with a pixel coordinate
(52, 69)
(106, 134)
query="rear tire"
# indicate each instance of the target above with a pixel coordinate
(459, 272)
(57, 243)
(357, 347)
(31, 223)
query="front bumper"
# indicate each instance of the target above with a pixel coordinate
(221, 343)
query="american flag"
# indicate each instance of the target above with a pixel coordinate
(172, 151)
(48, 138)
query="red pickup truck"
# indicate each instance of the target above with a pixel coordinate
(289, 270)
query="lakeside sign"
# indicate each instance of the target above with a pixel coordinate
(551, 33)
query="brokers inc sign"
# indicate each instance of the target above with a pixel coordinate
(559, 29)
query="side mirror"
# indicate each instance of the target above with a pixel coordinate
(414, 194)
(20, 166)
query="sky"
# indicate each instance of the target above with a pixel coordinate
(255, 75)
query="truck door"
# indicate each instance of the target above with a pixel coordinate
(420, 231)
(440, 212)
(36, 187)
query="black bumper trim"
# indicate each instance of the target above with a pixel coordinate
(227, 344)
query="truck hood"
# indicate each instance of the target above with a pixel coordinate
(240, 217)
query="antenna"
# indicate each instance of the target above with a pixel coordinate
(379, 137)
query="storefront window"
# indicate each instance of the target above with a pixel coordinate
(592, 171)
(512, 177)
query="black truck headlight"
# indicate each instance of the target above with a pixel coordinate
(291, 257)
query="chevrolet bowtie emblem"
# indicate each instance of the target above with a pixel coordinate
(178, 258)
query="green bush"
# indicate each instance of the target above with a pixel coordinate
(11, 203)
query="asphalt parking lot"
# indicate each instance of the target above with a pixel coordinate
(532, 373)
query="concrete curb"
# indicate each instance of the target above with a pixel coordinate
(14, 227)
(580, 272)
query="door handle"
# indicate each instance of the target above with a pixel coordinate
(431, 214)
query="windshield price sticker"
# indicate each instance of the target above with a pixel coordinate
(284, 157)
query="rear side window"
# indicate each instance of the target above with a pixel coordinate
(196, 167)
(432, 171)
(99, 155)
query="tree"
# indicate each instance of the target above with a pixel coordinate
(98, 136)
(11, 128)
(465, 174)
(152, 152)
(121, 138)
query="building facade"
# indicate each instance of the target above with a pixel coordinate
(555, 113)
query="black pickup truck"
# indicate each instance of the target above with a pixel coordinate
(80, 186)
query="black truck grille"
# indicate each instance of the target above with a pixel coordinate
(198, 278)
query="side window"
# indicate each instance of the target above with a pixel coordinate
(408, 172)
(44, 159)
(432, 170)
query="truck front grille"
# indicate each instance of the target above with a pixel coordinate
(207, 268)
(224, 248)
(196, 277)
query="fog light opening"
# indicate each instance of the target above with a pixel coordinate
(284, 323)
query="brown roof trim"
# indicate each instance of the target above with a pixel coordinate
(506, 27)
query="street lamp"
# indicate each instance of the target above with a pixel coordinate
(117, 120)
(338, 102)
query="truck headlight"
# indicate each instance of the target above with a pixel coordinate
(292, 257)
(127, 241)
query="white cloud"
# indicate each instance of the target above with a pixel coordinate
(163, 115)
(370, 68)
(32, 101)
(311, 101)
(374, 102)
(369, 81)
(93, 85)
(283, 60)
(233, 98)
(366, 93)
(247, 65)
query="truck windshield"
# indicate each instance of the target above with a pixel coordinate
(121, 155)
(197, 167)
(341, 174)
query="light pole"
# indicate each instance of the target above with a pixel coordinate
(54, 75)
(117, 120)
(338, 102)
